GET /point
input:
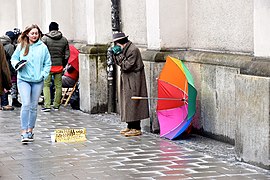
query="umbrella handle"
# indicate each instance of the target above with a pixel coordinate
(144, 98)
(138, 98)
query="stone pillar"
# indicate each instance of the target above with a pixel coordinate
(94, 16)
(49, 11)
(29, 14)
(43, 12)
(166, 24)
(7, 20)
(47, 15)
(93, 79)
(98, 14)
(261, 28)
(165, 31)
(65, 20)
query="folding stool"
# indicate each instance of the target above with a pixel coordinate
(67, 94)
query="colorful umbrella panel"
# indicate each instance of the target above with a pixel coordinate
(176, 104)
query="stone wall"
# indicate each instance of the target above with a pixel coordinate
(218, 101)
(222, 25)
(252, 116)
(231, 106)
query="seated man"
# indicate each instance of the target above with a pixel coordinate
(71, 74)
(70, 77)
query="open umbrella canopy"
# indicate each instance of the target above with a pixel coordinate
(176, 104)
(74, 57)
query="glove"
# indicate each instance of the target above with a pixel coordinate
(116, 50)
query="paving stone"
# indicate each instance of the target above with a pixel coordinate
(171, 177)
(109, 155)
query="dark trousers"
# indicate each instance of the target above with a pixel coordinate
(4, 99)
(134, 125)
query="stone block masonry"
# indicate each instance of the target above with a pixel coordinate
(252, 132)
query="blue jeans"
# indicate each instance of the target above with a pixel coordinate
(29, 92)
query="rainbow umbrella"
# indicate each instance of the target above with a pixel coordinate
(176, 103)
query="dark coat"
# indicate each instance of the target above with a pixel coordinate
(58, 46)
(9, 48)
(5, 78)
(132, 83)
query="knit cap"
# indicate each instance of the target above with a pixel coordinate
(11, 35)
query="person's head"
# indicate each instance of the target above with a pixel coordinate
(53, 26)
(120, 38)
(11, 35)
(17, 32)
(30, 35)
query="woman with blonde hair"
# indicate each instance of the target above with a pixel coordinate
(32, 61)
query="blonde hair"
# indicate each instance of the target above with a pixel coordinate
(24, 39)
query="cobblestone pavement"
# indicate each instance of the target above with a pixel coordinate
(108, 155)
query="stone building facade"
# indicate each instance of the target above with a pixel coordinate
(224, 43)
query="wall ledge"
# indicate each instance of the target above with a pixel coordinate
(91, 49)
(247, 64)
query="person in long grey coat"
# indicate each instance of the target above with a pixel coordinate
(132, 83)
(5, 78)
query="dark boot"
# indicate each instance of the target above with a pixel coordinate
(4, 99)
(16, 103)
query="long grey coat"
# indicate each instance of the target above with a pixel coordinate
(5, 77)
(132, 83)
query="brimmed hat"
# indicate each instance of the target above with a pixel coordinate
(118, 36)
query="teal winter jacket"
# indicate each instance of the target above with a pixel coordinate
(38, 63)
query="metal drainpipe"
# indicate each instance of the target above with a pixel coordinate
(111, 73)
(115, 15)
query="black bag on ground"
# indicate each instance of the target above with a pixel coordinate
(75, 99)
